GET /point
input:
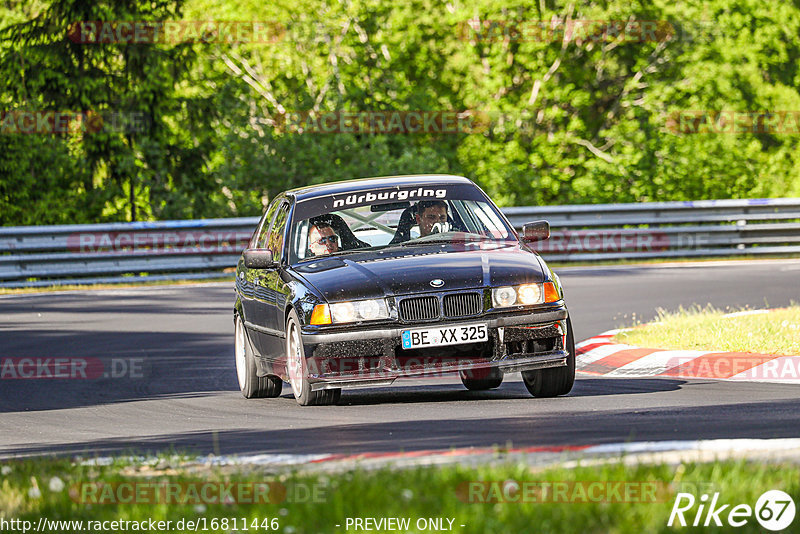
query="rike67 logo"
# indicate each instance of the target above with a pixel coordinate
(774, 510)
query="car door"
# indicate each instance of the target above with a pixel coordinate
(273, 337)
(247, 277)
(256, 304)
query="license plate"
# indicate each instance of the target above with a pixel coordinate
(444, 335)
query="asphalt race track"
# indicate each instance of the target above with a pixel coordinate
(173, 347)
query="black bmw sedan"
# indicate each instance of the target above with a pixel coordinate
(355, 284)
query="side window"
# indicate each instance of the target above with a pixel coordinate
(263, 230)
(275, 240)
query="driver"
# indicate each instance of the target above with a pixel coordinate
(432, 217)
(322, 240)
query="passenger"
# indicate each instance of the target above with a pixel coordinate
(322, 240)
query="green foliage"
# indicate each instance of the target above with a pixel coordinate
(582, 121)
(621, 497)
(100, 174)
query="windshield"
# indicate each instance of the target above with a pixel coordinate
(378, 220)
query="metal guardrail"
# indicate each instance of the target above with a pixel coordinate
(120, 252)
(692, 229)
(168, 250)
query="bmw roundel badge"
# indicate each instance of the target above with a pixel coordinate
(437, 282)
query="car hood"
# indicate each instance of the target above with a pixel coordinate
(411, 270)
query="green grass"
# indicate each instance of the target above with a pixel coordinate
(776, 332)
(433, 492)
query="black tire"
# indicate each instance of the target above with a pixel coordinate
(250, 384)
(557, 380)
(481, 379)
(297, 370)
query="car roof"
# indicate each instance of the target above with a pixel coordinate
(383, 182)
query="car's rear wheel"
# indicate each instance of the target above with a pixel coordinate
(297, 369)
(481, 379)
(557, 380)
(250, 384)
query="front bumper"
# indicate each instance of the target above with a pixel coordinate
(369, 357)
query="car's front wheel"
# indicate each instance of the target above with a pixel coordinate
(481, 379)
(250, 384)
(557, 380)
(297, 369)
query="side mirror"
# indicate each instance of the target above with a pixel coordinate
(535, 231)
(258, 258)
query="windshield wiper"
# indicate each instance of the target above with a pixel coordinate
(453, 240)
(348, 251)
(425, 242)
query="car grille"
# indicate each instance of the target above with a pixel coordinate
(462, 304)
(419, 308)
(427, 308)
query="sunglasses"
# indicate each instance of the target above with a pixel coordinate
(332, 239)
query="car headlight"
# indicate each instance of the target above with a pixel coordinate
(503, 297)
(524, 295)
(529, 294)
(359, 310)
